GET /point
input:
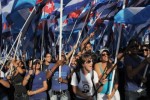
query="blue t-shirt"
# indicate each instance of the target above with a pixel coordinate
(56, 86)
(37, 84)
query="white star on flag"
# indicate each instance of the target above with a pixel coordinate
(49, 5)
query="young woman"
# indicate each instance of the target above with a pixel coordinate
(16, 78)
(39, 84)
(103, 67)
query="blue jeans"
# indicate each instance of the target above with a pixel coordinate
(21, 97)
(3, 96)
(38, 99)
(63, 96)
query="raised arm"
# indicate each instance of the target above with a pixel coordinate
(52, 70)
(70, 53)
(86, 40)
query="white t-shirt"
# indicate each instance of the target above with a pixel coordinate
(85, 84)
(1, 74)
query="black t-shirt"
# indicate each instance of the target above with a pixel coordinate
(17, 83)
(3, 90)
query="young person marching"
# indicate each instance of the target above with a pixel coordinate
(39, 84)
(84, 80)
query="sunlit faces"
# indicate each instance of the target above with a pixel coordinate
(105, 56)
(36, 65)
(48, 58)
(73, 62)
(88, 64)
(88, 47)
(146, 51)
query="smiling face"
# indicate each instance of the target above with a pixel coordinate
(48, 58)
(88, 47)
(104, 56)
(36, 65)
(88, 65)
(87, 62)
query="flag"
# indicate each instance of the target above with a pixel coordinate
(140, 17)
(139, 3)
(123, 15)
(5, 26)
(47, 9)
(17, 20)
(64, 2)
(74, 5)
(9, 6)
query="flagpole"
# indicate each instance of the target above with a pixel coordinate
(72, 31)
(117, 50)
(42, 39)
(60, 36)
(80, 32)
(20, 33)
(10, 51)
(24, 26)
(100, 38)
(144, 75)
(80, 35)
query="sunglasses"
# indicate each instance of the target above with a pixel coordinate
(89, 61)
(105, 54)
(145, 49)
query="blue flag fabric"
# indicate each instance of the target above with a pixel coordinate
(124, 15)
(140, 17)
(133, 15)
(20, 4)
(74, 5)
(7, 6)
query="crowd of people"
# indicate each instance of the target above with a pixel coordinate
(88, 77)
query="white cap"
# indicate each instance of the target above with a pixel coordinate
(103, 49)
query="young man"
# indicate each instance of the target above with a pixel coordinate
(84, 88)
(47, 61)
(59, 85)
(135, 67)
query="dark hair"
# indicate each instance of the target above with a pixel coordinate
(85, 56)
(46, 54)
(36, 61)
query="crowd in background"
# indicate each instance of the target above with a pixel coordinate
(88, 77)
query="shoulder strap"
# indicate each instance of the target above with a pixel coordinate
(78, 75)
(92, 78)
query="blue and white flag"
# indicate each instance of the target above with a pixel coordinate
(74, 5)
